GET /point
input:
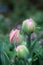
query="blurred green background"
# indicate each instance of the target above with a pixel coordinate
(13, 12)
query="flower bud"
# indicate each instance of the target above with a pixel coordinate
(19, 27)
(22, 51)
(28, 26)
(41, 42)
(16, 36)
(13, 34)
(33, 36)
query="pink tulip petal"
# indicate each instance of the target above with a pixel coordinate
(13, 34)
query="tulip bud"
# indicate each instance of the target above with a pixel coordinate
(13, 34)
(28, 26)
(16, 36)
(41, 42)
(33, 36)
(22, 51)
(19, 27)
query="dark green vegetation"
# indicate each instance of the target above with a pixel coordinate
(19, 11)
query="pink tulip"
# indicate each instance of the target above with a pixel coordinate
(28, 25)
(22, 51)
(13, 34)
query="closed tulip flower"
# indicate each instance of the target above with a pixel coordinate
(16, 36)
(13, 33)
(28, 26)
(22, 51)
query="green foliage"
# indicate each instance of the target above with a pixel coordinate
(8, 53)
(22, 9)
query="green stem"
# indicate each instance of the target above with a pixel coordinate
(29, 41)
(29, 45)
